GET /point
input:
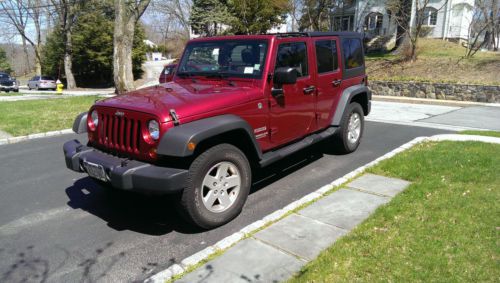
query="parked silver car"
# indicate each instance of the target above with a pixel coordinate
(42, 82)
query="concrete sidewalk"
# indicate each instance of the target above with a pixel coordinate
(275, 253)
(37, 95)
(474, 117)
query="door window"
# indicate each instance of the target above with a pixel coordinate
(293, 55)
(326, 56)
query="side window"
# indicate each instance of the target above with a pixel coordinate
(353, 53)
(326, 56)
(294, 55)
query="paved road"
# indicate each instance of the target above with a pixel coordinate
(60, 226)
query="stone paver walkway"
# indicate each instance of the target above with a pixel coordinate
(275, 253)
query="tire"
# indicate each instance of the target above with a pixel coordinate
(16, 90)
(214, 205)
(346, 139)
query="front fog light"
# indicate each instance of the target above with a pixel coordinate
(154, 129)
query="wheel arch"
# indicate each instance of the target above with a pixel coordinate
(205, 133)
(357, 93)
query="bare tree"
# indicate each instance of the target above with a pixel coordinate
(20, 14)
(67, 12)
(483, 28)
(411, 31)
(175, 12)
(127, 13)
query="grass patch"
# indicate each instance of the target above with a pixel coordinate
(37, 116)
(481, 133)
(443, 228)
(435, 60)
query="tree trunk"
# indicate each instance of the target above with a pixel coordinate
(122, 48)
(28, 63)
(38, 60)
(68, 64)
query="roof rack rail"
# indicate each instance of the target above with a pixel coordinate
(288, 34)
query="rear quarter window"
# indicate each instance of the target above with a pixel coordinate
(353, 53)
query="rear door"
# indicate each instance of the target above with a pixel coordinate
(292, 115)
(329, 78)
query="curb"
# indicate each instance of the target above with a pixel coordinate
(443, 102)
(191, 261)
(35, 136)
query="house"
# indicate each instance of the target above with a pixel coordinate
(445, 19)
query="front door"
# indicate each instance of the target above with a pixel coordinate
(292, 114)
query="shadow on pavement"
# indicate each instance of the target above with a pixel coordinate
(156, 215)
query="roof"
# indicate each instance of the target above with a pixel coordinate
(287, 34)
(320, 33)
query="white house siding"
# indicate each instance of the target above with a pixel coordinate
(453, 17)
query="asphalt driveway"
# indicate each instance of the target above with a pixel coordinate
(61, 226)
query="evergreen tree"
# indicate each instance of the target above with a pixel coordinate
(257, 16)
(92, 48)
(210, 17)
(4, 64)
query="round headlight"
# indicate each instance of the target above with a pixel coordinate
(95, 118)
(154, 129)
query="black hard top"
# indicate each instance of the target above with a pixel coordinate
(319, 33)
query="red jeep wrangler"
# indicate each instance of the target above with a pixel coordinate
(235, 103)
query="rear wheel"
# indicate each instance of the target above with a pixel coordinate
(351, 128)
(218, 184)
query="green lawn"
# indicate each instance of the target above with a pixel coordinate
(438, 61)
(444, 228)
(37, 116)
(481, 133)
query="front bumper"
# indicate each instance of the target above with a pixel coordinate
(9, 88)
(126, 174)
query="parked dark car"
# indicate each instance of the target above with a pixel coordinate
(8, 83)
(168, 73)
(42, 82)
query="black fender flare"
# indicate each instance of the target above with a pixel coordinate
(345, 99)
(175, 141)
(80, 123)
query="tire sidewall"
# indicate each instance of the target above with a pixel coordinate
(353, 108)
(192, 197)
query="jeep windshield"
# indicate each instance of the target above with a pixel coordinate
(224, 58)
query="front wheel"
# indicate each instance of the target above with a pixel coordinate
(218, 184)
(351, 128)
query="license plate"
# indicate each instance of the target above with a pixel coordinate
(95, 171)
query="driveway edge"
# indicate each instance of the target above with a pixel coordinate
(35, 136)
(188, 264)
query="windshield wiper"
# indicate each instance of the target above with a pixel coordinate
(186, 75)
(221, 75)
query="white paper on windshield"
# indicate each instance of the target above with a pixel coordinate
(256, 67)
(248, 70)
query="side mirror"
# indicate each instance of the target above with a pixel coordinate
(285, 75)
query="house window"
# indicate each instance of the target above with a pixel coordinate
(374, 21)
(429, 17)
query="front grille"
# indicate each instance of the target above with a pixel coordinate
(119, 133)
(7, 83)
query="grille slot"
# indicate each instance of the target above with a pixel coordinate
(119, 133)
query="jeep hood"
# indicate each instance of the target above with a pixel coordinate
(186, 99)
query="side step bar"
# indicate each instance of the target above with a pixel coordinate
(272, 156)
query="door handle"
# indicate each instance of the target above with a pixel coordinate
(336, 82)
(309, 89)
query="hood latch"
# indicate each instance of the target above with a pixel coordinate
(175, 118)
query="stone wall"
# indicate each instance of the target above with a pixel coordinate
(462, 92)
